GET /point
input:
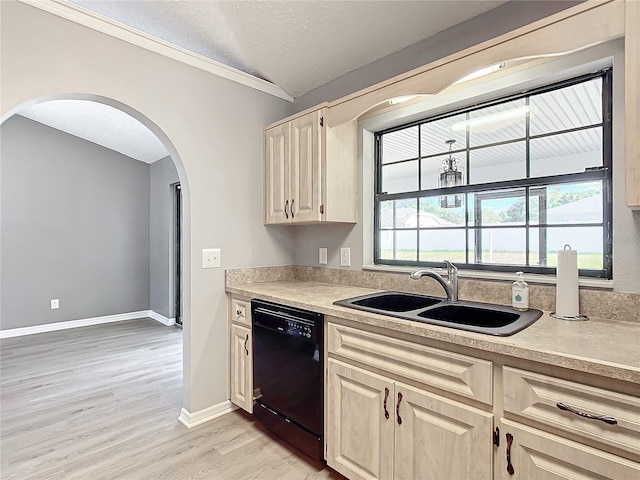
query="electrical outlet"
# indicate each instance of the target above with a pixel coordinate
(55, 303)
(345, 257)
(322, 256)
(210, 258)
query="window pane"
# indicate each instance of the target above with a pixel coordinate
(400, 145)
(432, 215)
(499, 163)
(588, 241)
(500, 207)
(569, 203)
(386, 214)
(386, 245)
(400, 177)
(437, 245)
(406, 245)
(505, 246)
(406, 213)
(432, 167)
(568, 107)
(566, 153)
(497, 123)
(435, 134)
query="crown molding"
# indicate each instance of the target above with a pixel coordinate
(99, 23)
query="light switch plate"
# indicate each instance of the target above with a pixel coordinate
(210, 258)
(345, 257)
(322, 256)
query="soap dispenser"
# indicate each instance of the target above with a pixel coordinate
(520, 294)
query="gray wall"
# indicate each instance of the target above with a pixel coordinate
(161, 268)
(502, 19)
(74, 226)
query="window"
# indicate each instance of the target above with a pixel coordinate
(536, 175)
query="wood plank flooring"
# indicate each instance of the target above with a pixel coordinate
(102, 402)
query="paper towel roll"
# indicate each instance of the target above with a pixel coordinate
(567, 304)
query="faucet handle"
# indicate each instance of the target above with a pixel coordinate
(451, 269)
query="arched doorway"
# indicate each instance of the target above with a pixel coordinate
(173, 154)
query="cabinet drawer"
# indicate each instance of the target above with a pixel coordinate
(466, 376)
(241, 312)
(536, 397)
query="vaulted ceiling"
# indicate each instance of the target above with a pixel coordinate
(295, 44)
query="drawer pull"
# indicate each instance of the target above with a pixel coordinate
(239, 313)
(510, 469)
(609, 420)
(398, 409)
(386, 396)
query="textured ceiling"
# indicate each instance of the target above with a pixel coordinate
(297, 45)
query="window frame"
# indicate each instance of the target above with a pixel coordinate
(603, 174)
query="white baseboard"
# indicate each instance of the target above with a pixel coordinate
(191, 420)
(161, 318)
(85, 322)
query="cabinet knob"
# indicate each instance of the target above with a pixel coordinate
(239, 312)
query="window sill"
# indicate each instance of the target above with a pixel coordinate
(531, 278)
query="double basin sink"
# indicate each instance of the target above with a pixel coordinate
(475, 317)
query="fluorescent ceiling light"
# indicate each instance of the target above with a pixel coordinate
(401, 99)
(481, 73)
(493, 118)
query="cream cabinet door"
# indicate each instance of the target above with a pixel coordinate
(276, 175)
(241, 368)
(360, 434)
(535, 454)
(437, 438)
(305, 175)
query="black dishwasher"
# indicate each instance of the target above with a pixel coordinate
(288, 374)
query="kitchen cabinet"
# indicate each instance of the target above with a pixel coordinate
(310, 171)
(379, 427)
(537, 454)
(567, 429)
(241, 360)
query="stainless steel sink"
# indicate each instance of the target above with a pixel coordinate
(475, 317)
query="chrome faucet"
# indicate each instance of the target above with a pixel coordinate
(450, 285)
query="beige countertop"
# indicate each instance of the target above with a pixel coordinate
(599, 346)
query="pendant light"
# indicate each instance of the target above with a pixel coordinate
(450, 176)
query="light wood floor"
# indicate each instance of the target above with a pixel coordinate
(102, 402)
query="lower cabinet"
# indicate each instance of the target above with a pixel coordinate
(241, 372)
(534, 454)
(379, 428)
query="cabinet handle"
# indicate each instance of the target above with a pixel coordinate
(286, 204)
(602, 418)
(386, 396)
(510, 469)
(398, 409)
(245, 344)
(293, 215)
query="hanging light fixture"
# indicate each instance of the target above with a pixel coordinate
(450, 176)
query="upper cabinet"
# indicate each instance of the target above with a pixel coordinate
(310, 171)
(632, 102)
